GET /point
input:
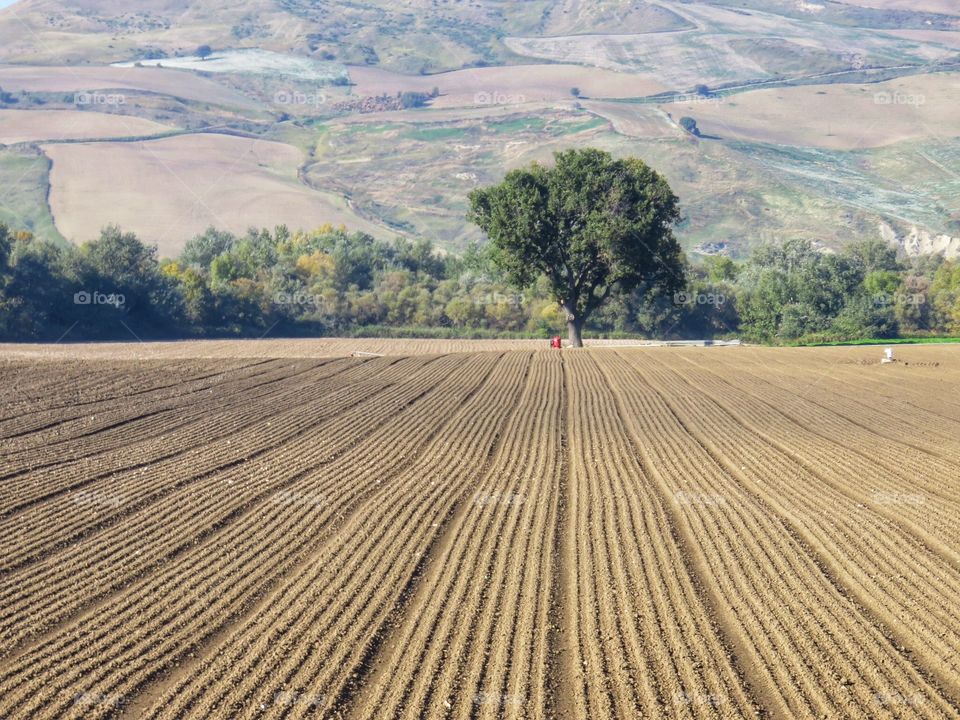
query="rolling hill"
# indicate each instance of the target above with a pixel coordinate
(827, 120)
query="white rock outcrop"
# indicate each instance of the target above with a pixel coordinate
(921, 242)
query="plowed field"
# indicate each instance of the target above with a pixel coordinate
(607, 533)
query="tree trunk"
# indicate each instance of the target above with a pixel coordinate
(574, 331)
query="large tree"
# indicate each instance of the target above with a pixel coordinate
(592, 224)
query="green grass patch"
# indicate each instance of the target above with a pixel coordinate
(24, 180)
(429, 134)
(880, 341)
(572, 128)
(371, 128)
(517, 125)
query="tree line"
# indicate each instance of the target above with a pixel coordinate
(586, 243)
(334, 282)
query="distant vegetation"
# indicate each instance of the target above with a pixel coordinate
(410, 99)
(690, 125)
(333, 282)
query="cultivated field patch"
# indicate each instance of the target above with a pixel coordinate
(506, 86)
(229, 182)
(175, 83)
(606, 533)
(17, 126)
(841, 117)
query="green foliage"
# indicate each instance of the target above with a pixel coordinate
(96, 290)
(118, 263)
(151, 53)
(593, 225)
(201, 250)
(704, 309)
(6, 245)
(721, 269)
(882, 283)
(792, 291)
(690, 125)
(873, 256)
(945, 290)
(862, 316)
(410, 99)
(227, 268)
(34, 289)
(334, 282)
(120, 256)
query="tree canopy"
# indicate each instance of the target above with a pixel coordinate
(591, 224)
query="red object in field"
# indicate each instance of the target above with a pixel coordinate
(556, 342)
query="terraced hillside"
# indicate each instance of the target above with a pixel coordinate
(606, 533)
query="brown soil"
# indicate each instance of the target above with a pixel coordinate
(607, 533)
